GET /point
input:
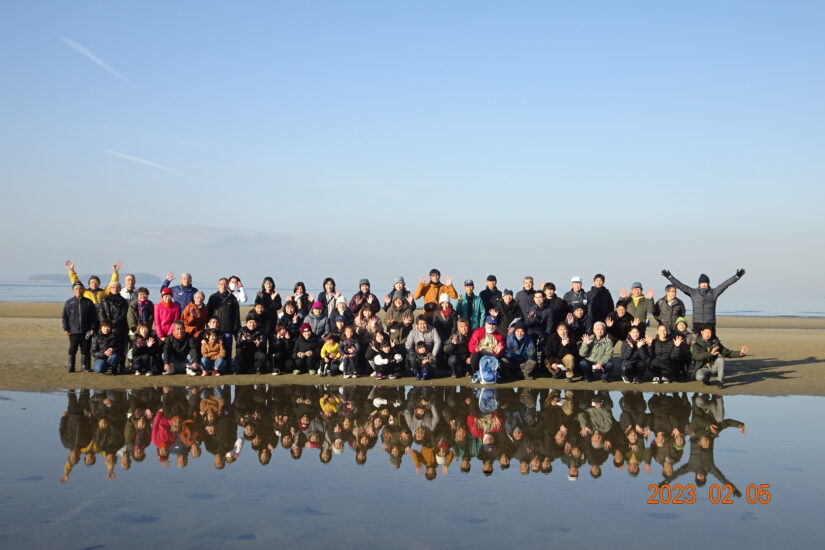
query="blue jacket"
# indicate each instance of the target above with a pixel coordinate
(520, 351)
(180, 295)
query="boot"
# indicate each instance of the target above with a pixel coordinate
(71, 363)
(86, 362)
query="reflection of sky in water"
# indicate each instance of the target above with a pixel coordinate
(305, 503)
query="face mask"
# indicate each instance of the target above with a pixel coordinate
(232, 286)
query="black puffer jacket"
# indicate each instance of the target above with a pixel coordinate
(225, 307)
(79, 315)
(114, 308)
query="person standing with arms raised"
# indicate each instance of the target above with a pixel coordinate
(704, 298)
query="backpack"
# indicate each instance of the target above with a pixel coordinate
(487, 400)
(487, 370)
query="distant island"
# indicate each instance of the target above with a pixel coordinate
(59, 278)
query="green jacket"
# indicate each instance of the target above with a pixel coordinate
(701, 351)
(598, 351)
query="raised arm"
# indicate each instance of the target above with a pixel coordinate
(676, 282)
(723, 286)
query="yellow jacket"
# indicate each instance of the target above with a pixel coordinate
(331, 350)
(102, 292)
(432, 292)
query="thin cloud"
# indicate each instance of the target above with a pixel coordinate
(144, 162)
(85, 52)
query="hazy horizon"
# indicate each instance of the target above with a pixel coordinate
(375, 139)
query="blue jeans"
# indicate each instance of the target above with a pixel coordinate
(102, 365)
(212, 364)
(589, 374)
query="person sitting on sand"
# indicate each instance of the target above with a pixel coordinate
(106, 349)
(709, 356)
(180, 354)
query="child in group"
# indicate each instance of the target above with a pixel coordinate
(212, 354)
(146, 351)
(280, 348)
(386, 361)
(422, 361)
(330, 356)
(349, 347)
(251, 348)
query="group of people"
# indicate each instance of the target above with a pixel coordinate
(432, 427)
(525, 334)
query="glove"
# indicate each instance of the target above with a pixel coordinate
(740, 272)
(665, 273)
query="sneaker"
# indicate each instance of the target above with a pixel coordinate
(216, 373)
(323, 372)
(373, 374)
(625, 379)
(275, 372)
(296, 371)
(636, 380)
(136, 373)
(392, 376)
(379, 376)
(167, 372)
(312, 371)
(191, 372)
(656, 380)
(569, 380)
(148, 374)
(204, 373)
(665, 380)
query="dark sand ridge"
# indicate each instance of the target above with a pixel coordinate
(787, 357)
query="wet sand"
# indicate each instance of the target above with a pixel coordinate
(787, 357)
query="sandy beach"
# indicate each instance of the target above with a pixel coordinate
(787, 357)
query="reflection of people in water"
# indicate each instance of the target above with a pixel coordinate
(433, 426)
(707, 424)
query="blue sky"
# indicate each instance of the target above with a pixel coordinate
(351, 138)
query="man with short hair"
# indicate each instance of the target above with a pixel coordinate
(524, 297)
(180, 353)
(79, 323)
(600, 302)
(490, 296)
(432, 290)
(183, 293)
(555, 302)
(704, 297)
(638, 305)
(669, 308)
(520, 354)
(128, 291)
(576, 295)
(596, 354)
(470, 306)
(223, 305)
(709, 356)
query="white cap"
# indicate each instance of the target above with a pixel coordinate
(576, 279)
(444, 298)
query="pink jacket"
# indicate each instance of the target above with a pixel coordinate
(165, 315)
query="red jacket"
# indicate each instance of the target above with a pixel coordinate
(478, 336)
